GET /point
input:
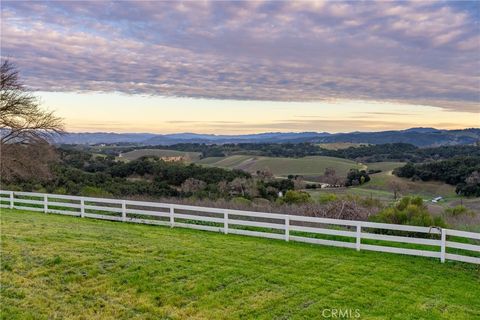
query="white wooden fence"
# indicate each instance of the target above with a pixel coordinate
(434, 242)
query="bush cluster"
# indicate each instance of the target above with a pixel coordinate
(408, 211)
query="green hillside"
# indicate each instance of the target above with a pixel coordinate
(380, 187)
(231, 162)
(64, 267)
(385, 165)
(382, 181)
(314, 165)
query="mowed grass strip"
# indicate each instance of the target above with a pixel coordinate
(65, 267)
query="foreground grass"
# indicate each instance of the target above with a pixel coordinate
(64, 267)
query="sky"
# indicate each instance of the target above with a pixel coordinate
(249, 66)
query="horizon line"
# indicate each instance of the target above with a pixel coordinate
(264, 132)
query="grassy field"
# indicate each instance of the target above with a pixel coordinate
(426, 189)
(314, 165)
(63, 267)
(379, 187)
(230, 162)
(308, 166)
(384, 166)
(135, 154)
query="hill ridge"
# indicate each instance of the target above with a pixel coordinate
(420, 137)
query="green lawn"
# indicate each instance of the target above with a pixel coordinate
(64, 267)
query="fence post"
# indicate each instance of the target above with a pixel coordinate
(359, 236)
(45, 203)
(287, 228)
(11, 200)
(82, 207)
(225, 222)
(443, 245)
(172, 218)
(124, 210)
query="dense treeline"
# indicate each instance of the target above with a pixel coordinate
(287, 150)
(365, 153)
(460, 171)
(375, 153)
(83, 173)
(402, 152)
(446, 152)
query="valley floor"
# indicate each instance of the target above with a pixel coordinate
(64, 267)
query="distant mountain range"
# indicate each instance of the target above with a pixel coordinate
(421, 137)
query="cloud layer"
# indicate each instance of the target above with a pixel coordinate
(415, 52)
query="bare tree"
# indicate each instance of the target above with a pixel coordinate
(192, 185)
(473, 178)
(243, 187)
(299, 183)
(224, 187)
(266, 175)
(26, 162)
(22, 120)
(397, 187)
(25, 130)
(330, 177)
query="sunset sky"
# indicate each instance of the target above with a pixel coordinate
(244, 67)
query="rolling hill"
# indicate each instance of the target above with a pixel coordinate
(314, 165)
(420, 137)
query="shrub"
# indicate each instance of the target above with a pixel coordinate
(370, 202)
(408, 211)
(94, 192)
(241, 201)
(39, 188)
(458, 210)
(327, 197)
(60, 190)
(296, 197)
(261, 202)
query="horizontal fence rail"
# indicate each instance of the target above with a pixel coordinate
(441, 243)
